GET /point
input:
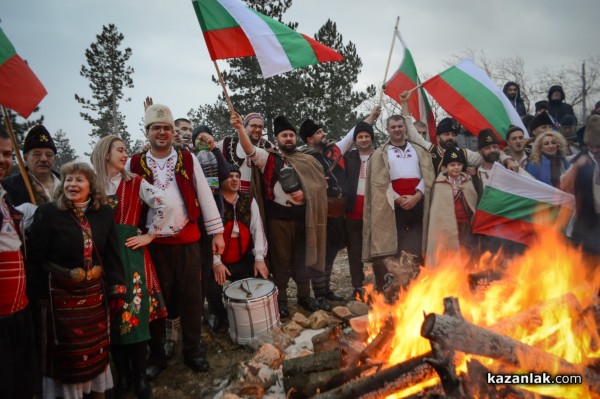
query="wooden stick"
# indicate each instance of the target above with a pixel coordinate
(387, 66)
(229, 103)
(13, 139)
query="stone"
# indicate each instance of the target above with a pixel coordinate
(341, 312)
(301, 319)
(319, 319)
(269, 355)
(358, 308)
(292, 329)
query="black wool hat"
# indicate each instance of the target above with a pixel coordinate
(541, 105)
(454, 154)
(446, 125)
(363, 126)
(200, 129)
(38, 137)
(539, 120)
(486, 137)
(281, 123)
(308, 128)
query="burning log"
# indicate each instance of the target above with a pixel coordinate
(476, 385)
(384, 382)
(312, 363)
(380, 347)
(303, 386)
(458, 334)
(327, 340)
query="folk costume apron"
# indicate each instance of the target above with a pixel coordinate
(143, 300)
(78, 342)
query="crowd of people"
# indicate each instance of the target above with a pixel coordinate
(118, 257)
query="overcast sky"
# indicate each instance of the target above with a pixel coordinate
(172, 64)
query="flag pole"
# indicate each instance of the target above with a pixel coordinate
(229, 103)
(13, 139)
(387, 66)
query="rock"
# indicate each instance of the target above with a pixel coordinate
(269, 355)
(319, 319)
(358, 308)
(230, 396)
(341, 312)
(301, 319)
(292, 329)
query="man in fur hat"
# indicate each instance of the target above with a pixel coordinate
(330, 154)
(39, 153)
(178, 174)
(583, 180)
(295, 195)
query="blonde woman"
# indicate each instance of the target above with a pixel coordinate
(547, 161)
(127, 194)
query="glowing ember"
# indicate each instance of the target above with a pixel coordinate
(548, 270)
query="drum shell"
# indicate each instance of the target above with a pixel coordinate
(250, 318)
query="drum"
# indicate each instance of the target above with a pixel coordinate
(251, 308)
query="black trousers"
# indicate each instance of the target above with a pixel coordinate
(287, 246)
(354, 229)
(179, 271)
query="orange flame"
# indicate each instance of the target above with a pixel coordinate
(548, 270)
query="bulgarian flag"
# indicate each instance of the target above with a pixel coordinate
(232, 30)
(514, 207)
(20, 89)
(467, 93)
(406, 79)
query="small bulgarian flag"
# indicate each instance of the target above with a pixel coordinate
(468, 94)
(232, 30)
(406, 79)
(20, 89)
(514, 207)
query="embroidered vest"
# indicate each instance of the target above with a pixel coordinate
(243, 214)
(184, 176)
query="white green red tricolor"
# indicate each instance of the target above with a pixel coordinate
(20, 89)
(406, 79)
(467, 93)
(513, 207)
(232, 30)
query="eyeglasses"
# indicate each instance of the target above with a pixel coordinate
(158, 128)
(253, 126)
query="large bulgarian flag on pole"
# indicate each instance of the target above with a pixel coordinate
(515, 207)
(467, 93)
(232, 30)
(20, 89)
(405, 79)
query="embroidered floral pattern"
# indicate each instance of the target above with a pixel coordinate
(131, 310)
(170, 175)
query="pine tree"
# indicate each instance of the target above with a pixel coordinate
(331, 98)
(109, 75)
(64, 152)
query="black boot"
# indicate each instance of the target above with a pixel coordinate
(143, 390)
(121, 360)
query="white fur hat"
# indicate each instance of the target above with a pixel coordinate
(158, 113)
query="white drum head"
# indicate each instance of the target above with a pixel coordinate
(257, 287)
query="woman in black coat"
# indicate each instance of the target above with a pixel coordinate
(74, 264)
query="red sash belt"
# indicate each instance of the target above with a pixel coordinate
(405, 186)
(12, 283)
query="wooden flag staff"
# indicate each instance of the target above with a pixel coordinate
(387, 66)
(229, 103)
(13, 139)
